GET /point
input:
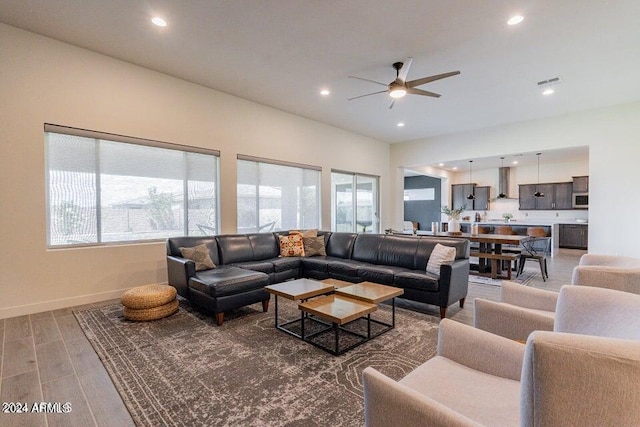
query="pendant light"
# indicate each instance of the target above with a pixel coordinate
(502, 195)
(538, 193)
(470, 196)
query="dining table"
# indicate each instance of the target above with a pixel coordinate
(488, 243)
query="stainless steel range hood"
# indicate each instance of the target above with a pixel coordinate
(503, 182)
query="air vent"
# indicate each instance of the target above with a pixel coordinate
(551, 81)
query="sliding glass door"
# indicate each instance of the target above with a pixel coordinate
(354, 202)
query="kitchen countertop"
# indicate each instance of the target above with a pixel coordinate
(528, 222)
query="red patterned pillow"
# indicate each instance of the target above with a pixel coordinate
(291, 245)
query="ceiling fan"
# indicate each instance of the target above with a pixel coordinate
(400, 87)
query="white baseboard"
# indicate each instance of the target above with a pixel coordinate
(59, 303)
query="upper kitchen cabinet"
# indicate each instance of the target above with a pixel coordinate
(557, 196)
(580, 184)
(459, 193)
(481, 203)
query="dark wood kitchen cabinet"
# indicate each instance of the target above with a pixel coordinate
(557, 196)
(574, 236)
(459, 193)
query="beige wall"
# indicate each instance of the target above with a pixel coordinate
(613, 137)
(46, 81)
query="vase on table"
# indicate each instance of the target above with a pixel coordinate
(453, 226)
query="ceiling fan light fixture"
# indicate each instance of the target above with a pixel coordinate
(397, 93)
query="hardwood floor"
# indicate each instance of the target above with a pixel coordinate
(46, 357)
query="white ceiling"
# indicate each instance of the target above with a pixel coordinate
(282, 52)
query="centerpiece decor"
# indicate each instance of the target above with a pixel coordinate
(454, 218)
(507, 217)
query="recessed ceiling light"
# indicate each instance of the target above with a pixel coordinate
(454, 168)
(548, 92)
(515, 162)
(159, 21)
(515, 20)
(400, 124)
(440, 164)
(324, 92)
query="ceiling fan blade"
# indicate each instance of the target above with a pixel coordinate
(368, 94)
(393, 101)
(402, 74)
(418, 82)
(367, 80)
(414, 91)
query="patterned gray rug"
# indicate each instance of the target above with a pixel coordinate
(185, 371)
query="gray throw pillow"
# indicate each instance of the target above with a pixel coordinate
(200, 255)
(314, 246)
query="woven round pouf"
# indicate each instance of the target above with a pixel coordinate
(155, 313)
(149, 302)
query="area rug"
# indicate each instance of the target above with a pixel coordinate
(528, 274)
(185, 371)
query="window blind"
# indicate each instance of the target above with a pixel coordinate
(275, 195)
(100, 190)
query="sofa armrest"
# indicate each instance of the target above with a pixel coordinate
(480, 350)
(597, 379)
(389, 403)
(602, 276)
(524, 296)
(180, 270)
(509, 321)
(609, 261)
(454, 281)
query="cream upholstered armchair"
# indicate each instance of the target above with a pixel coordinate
(561, 378)
(521, 310)
(608, 271)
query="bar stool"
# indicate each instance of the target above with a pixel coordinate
(536, 247)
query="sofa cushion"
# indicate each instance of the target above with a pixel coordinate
(417, 279)
(366, 248)
(199, 255)
(340, 245)
(228, 280)
(264, 245)
(314, 246)
(379, 273)
(346, 267)
(398, 251)
(285, 263)
(264, 266)
(291, 245)
(440, 255)
(427, 243)
(483, 398)
(318, 263)
(234, 248)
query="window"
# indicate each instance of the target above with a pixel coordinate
(104, 188)
(354, 211)
(276, 195)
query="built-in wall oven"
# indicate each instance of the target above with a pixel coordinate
(580, 200)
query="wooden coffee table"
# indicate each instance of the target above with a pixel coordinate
(374, 293)
(339, 310)
(297, 290)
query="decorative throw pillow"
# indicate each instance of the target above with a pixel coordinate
(291, 245)
(441, 255)
(305, 233)
(314, 246)
(200, 255)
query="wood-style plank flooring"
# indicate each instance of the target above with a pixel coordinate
(46, 357)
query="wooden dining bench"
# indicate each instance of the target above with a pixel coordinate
(496, 260)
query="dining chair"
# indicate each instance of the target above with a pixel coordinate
(536, 247)
(506, 230)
